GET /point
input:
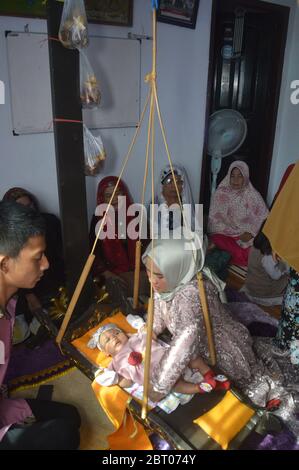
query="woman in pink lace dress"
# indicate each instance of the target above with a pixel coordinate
(247, 363)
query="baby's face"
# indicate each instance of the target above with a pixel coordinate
(112, 341)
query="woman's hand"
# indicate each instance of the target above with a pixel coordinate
(211, 246)
(245, 237)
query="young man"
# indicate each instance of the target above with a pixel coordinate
(27, 424)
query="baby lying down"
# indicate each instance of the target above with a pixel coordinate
(127, 366)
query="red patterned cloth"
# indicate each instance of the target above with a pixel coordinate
(112, 254)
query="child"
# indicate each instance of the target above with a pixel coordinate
(267, 275)
(127, 365)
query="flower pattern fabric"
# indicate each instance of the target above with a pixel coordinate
(288, 327)
(233, 212)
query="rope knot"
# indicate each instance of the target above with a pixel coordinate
(150, 77)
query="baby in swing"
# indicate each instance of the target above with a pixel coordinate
(127, 365)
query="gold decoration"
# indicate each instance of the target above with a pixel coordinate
(60, 304)
(100, 292)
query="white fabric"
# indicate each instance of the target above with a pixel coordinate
(167, 404)
(135, 321)
(275, 269)
(179, 261)
(162, 224)
(107, 377)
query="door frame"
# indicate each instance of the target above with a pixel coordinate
(260, 6)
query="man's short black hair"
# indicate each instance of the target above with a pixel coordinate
(18, 223)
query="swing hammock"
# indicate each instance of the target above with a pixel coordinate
(222, 416)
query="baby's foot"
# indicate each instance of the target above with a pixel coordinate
(222, 382)
(273, 405)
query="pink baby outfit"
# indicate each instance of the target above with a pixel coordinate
(136, 343)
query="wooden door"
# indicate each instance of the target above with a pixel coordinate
(248, 83)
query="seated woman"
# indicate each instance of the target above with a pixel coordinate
(169, 220)
(127, 361)
(236, 213)
(177, 307)
(166, 197)
(267, 275)
(115, 256)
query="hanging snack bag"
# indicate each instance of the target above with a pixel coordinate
(94, 152)
(90, 94)
(73, 32)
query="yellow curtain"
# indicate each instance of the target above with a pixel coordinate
(282, 226)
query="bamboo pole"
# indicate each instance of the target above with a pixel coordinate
(91, 256)
(205, 310)
(150, 312)
(147, 361)
(137, 274)
(75, 297)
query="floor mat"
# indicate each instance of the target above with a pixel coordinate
(75, 388)
(32, 367)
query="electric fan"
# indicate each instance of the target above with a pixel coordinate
(227, 132)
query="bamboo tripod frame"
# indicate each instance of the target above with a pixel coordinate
(152, 98)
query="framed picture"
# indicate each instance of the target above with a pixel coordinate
(178, 12)
(31, 8)
(113, 12)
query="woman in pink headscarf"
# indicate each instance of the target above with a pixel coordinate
(236, 213)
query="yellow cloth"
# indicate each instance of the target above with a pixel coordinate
(282, 225)
(225, 420)
(129, 434)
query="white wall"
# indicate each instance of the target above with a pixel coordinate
(29, 160)
(183, 56)
(26, 161)
(286, 142)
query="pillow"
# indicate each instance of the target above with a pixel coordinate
(225, 420)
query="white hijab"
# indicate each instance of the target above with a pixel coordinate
(186, 197)
(179, 261)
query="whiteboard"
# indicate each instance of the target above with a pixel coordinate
(116, 62)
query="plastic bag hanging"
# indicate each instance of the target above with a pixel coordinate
(90, 94)
(73, 31)
(94, 152)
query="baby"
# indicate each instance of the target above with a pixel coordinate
(127, 365)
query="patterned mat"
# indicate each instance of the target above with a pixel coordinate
(33, 367)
